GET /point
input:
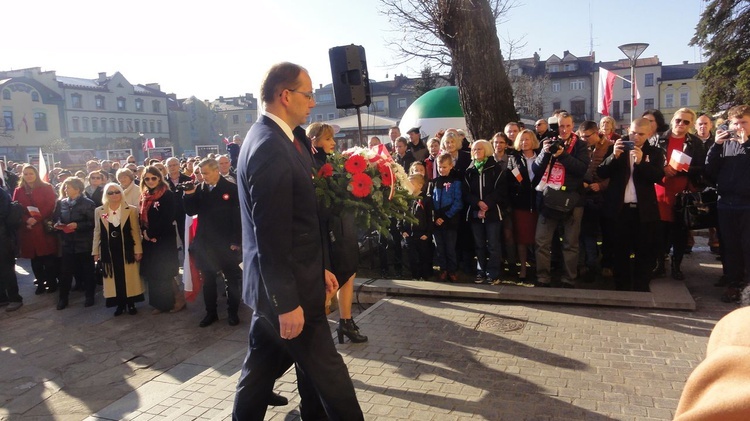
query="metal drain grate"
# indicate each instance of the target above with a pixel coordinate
(494, 324)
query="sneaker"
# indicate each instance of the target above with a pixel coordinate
(15, 305)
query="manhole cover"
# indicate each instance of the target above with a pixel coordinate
(500, 324)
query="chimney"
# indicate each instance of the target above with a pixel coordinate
(102, 76)
(565, 53)
(155, 86)
(536, 57)
(684, 62)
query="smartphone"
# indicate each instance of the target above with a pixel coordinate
(628, 145)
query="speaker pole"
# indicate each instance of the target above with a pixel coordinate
(359, 124)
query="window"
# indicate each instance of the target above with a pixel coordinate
(75, 101)
(8, 120)
(35, 96)
(137, 126)
(649, 79)
(554, 68)
(235, 119)
(104, 125)
(85, 122)
(76, 124)
(121, 104)
(648, 103)
(578, 109)
(684, 99)
(318, 117)
(139, 105)
(151, 126)
(569, 67)
(156, 105)
(402, 103)
(556, 105)
(40, 122)
(331, 116)
(323, 97)
(94, 124)
(379, 106)
(121, 125)
(112, 126)
(556, 86)
(669, 100)
(99, 101)
(626, 106)
(626, 82)
(129, 125)
(248, 118)
(6, 94)
(576, 85)
(158, 126)
(616, 110)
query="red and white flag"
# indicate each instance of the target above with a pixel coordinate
(606, 85)
(149, 144)
(226, 141)
(43, 173)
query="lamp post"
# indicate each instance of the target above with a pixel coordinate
(633, 51)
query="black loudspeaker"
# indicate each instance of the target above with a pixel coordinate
(351, 83)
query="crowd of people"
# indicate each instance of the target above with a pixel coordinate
(588, 203)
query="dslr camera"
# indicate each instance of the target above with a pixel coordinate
(556, 145)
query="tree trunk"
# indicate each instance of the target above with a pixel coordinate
(467, 28)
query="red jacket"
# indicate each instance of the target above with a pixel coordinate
(35, 242)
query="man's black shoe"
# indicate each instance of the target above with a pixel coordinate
(233, 319)
(277, 400)
(210, 318)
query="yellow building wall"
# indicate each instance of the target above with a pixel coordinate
(25, 133)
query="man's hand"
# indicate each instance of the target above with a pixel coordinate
(636, 154)
(482, 206)
(595, 187)
(669, 171)
(138, 257)
(291, 323)
(332, 285)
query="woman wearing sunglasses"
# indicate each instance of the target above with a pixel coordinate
(95, 189)
(160, 263)
(675, 142)
(117, 244)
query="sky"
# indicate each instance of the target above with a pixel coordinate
(224, 47)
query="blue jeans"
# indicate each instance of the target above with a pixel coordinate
(488, 248)
(445, 248)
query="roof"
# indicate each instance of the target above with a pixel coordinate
(77, 82)
(625, 63)
(681, 71)
(368, 121)
(47, 94)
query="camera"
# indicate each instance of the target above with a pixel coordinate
(555, 145)
(628, 145)
(733, 135)
(180, 188)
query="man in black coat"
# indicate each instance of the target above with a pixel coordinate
(284, 278)
(218, 239)
(632, 170)
(176, 178)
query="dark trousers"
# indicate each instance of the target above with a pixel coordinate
(80, 265)
(9, 281)
(420, 255)
(210, 264)
(45, 269)
(488, 249)
(445, 248)
(393, 243)
(735, 245)
(323, 380)
(631, 236)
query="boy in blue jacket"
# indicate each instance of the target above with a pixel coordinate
(447, 203)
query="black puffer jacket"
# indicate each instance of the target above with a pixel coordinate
(489, 187)
(80, 211)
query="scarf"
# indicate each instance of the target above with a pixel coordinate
(128, 243)
(479, 165)
(149, 197)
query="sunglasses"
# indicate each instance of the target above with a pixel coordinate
(110, 193)
(681, 121)
(150, 178)
(95, 178)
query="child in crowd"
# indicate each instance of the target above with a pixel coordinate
(447, 204)
(418, 168)
(419, 235)
(433, 146)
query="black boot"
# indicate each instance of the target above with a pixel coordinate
(349, 328)
(676, 272)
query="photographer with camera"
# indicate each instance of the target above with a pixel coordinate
(632, 168)
(563, 161)
(728, 164)
(218, 239)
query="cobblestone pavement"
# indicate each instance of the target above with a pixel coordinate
(426, 359)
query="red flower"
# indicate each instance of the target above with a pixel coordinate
(326, 170)
(386, 176)
(356, 164)
(361, 185)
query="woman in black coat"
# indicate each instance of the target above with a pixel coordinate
(339, 233)
(159, 265)
(74, 220)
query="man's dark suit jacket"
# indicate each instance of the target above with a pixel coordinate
(218, 213)
(282, 246)
(649, 171)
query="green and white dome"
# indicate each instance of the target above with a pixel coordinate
(435, 110)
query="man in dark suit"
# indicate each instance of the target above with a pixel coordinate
(175, 178)
(8, 180)
(632, 170)
(218, 239)
(284, 278)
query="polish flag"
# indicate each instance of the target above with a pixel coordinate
(149, 144)
(43, 173)
(606, 85)
(226, 141)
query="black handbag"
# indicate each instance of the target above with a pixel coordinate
(697, 210)
(562, 201)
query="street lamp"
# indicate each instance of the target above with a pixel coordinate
(633, 51)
